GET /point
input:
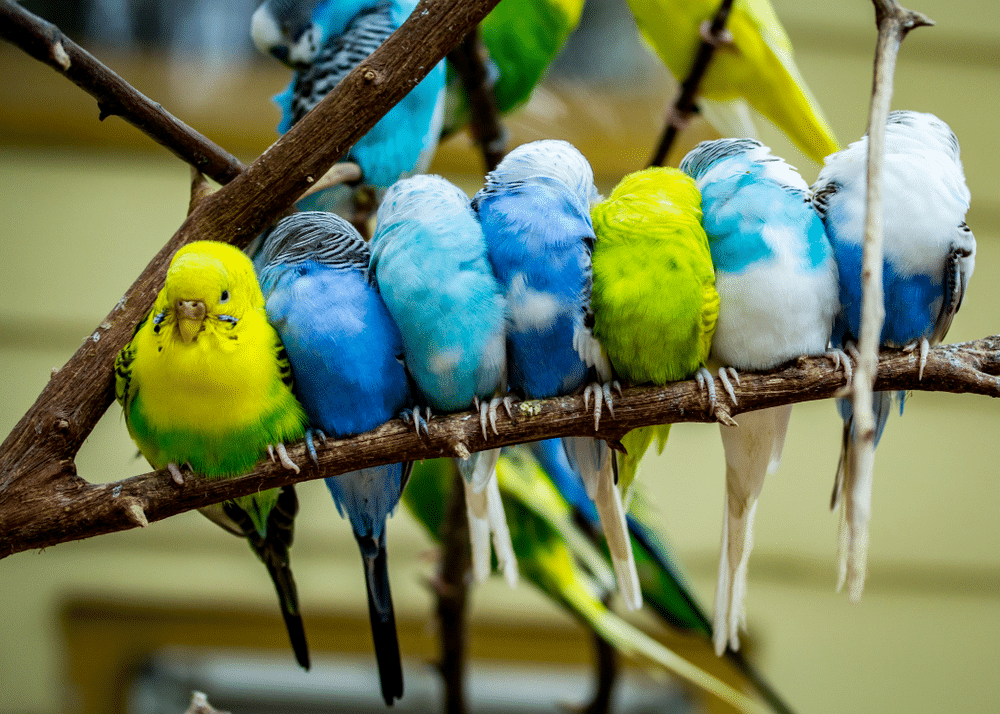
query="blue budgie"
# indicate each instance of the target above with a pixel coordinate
(535, 213)
(346, 32)
(929, 256)
(429, 259)
(345, 353)
(777, 283)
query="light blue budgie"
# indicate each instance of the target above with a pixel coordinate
(429, 259)
(777, 283)
(345, 32)
(345, 353)
(535, 213)
(929, 256)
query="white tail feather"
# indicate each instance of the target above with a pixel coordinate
(479, 532)
(506, 560)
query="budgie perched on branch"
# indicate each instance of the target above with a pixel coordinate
(777, 282)
(429, 259)
(757, 65)
(345, 353)
(929, 256)
(206, 382)
(347, 31)
(535, 213)
(654, 299)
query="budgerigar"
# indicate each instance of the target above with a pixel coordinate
(757, 65)
(549, 564)
(404, 140)
(777, 282)
(522, 38)
(654, 299)
(346, 355)
(929, 257)
(535, 213)
(429, 259)
(206, 382)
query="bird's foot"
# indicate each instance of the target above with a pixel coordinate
(413, 419)
(925, 348)
(282, 456)
(602, 396)
(312, 434)
(488, 413)
(706, 382)
(175, 473)
(841, 360)
(724, 37)
(728, 375)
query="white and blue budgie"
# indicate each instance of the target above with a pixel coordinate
(403, 142)
(929, 256)
(429, 259)
(345, 353)
(777, 283)
(535, 213)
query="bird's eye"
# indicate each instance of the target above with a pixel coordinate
(224, 298)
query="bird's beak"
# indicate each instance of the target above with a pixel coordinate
(190, 318)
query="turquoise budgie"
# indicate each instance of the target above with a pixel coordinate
(206, 382)
(345, 354)
(654, 299)
(757, 65)
(777, 282)
(535, 213)
(429, 260)
(929, 257)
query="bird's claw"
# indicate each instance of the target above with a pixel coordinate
(283, 458)
(602, 396)
(706, 382)
(728, 375)
(310, 446)
(508, 405)
(175, 473)
(413, 418)
(925, 348)
(488, 413)
(841, 360)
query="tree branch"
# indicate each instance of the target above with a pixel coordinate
(893, 23)
(115, 97)
(37, 515)
(484, 121)
(452, 596)
(37, 456)
(684, 106)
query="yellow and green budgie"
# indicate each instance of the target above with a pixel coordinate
(757, 65)
(205, 382)
(654, 299)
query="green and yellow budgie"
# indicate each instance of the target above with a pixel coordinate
(535, 514)
(654, 299)
(205, 382)
(756, 66)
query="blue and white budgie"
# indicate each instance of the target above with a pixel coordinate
(347, 31)
(345, 353)
(777, 282)
(429, 259)
(929, 256)
(535, 213)
(286, 30)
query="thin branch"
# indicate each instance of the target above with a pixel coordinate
(484, 122)
(115, 97)
(452, 596)
(893, 23)
(37, 456)
(34, 515)
(684, 106)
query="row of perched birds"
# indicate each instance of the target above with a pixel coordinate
(538, 288)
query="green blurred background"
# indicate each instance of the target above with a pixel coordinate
(98, 625)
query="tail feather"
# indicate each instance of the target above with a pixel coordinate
(476, 507)
(382, 617)
(288, 602)
(506, 560)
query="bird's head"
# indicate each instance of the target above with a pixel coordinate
(284, 29)
(208, 280)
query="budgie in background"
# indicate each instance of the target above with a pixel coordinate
(547, 562)
(664, 586)
(429, 260)
(757, 65)
(777, 282)
(535, 213)
(285, 30)
(522, 38)
(404, 140)
(206, 382)
(345, 353)
(929, 256)
(654, 299)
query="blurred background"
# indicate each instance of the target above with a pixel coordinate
(131, 622)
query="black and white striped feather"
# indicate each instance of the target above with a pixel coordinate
(316, 236)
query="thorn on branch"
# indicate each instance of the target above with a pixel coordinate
(135, 513)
